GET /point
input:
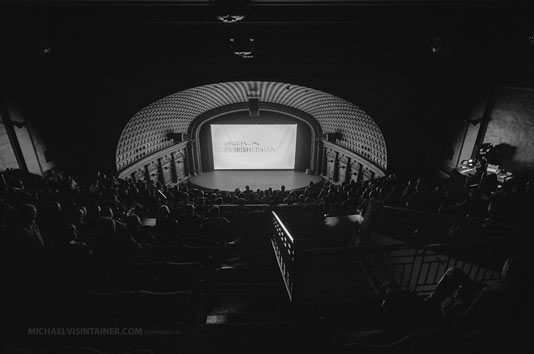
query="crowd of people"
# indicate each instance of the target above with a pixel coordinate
(461, 316)
(104, 218)
(106, 214)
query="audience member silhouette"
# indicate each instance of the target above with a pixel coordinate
(474, 206)
(216, 224)
(189, 220)
(141, 236)
(241, 209)
(461, 315)
(26, 240)
(93, 215)
(51, 221)
(166, 226)
(70, 250)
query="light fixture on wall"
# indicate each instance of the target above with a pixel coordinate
(175, 137)
(229, 11)
(333, 137)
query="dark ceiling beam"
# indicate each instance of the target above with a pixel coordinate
(263, 13)
(260, 3)
(253, 2)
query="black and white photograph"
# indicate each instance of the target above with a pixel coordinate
(266, 176)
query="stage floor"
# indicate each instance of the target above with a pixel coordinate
(230, 180)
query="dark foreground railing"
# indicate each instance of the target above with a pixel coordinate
(285, 250)
(417, 270)
(423, 227)
(398, 267)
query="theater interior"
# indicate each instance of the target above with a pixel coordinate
(263, 176)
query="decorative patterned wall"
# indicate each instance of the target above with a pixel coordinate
(343, 165)
(146, 132)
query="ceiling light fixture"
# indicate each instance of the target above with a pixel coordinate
(230, 18)
(229, 11)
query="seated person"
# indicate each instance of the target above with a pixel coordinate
(107, 211)
(133, 227)
(78, 220)
(216, 224)
(461, 314)
(25, 237)
(69, 249)
(467, 305)
(241, 209)
(474, 205)
(189, 220)
(166, 226)
(110, 244)
(50, 221)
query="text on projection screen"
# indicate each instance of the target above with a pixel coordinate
(254, 147)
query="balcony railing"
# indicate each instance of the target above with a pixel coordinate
(286, 252)
(398, 267)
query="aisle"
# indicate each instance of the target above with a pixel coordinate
(251, 312)
(251, 307)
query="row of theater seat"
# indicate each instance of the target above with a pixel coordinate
(170, 289)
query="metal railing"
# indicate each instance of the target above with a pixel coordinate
(422, 227)
(417, 270)
(285, 250)
(398, 267)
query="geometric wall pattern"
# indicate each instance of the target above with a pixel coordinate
(146, 132)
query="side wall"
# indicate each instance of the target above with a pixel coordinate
(511, 128)
(463, 145)
(32, 148)
(504, 119)
(7, 154)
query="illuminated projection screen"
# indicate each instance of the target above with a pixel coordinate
(254, 147)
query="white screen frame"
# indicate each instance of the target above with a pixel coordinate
(272, 146)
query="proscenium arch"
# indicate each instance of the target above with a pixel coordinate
(197, 124)
(146, 132)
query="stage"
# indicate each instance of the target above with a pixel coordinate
(230, 180)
